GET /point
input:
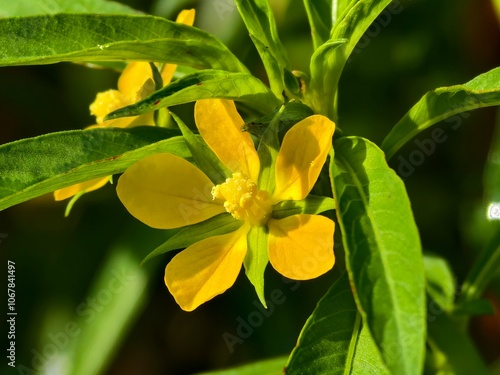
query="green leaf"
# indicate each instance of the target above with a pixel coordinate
(259, 20)
(49, 39)
(441, 104)
(319, 13)
(20, 8)
(293, 113)
(311, 205)
(460, 355)
(267, 367)
(333, 340)
(36, 166)
(256, 259)
(484, 269)
(220, 224)
(323, 84)
(383, 251)
(440, 282)
(267, 150)
(206, 84)
(203, 156)
(474, 307)
(356, 17)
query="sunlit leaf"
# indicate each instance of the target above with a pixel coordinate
(259, 20)
(383, 251)
(49, 39)
(440, 282)
(30, 8)
(36, 166)
(207, 84)
(320, 16)
(441, 104)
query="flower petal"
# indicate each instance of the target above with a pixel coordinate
(301, 246)
(86, 186)
(301, 157)
(206, 269)
(186, 16)
(220, 126)
(165, 191)
(133, 77)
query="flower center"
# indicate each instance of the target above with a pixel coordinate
(243, 200)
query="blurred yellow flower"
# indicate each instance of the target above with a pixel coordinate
(135, 83)
(157, 190)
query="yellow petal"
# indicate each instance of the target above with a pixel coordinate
(220, 126)
(206, 269)
(133, 78)
(186, 17)
(301, 157)
(301, 246)
(165, 191)
(86, 186)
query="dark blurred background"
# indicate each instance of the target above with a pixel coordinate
(427, 44)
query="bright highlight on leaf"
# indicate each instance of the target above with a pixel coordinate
(165, 191)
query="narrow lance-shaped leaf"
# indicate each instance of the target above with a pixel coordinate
(355, 19)
(186, 236)
(267, 367)
(49, 39)
(36, 166)
(259, 20)
(333, 340)
(206, 84)
(383, 252)
(443, 103)
(20, 8)
(320, 17)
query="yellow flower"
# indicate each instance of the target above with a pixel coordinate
(135, 83)
(158, 189)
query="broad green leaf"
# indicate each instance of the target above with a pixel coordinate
(203, 156)
(50, 39)
(320, 15)
(339, 7)
(220, 224)
(441, 104)
(383, 251)
(259, 20)
(333, 340)
(36, 166)
(484, 269)
(256, 259)
(356, 17)
(267, 367)
(20, 8)
(206, 84)
(440, 282)
(311, 205)
(455, 348)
